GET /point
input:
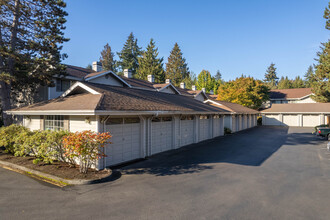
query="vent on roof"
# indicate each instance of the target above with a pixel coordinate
(193, 87)
(128, 73)
(203, 89)
(151, 78)
(182, 85)
(167, 81)
(211, 92)
(97, 66)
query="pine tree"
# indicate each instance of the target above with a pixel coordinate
(298, 82)
(176, 67)
(321, 84)
(205, 80)
(309, 76)
(89, 66)
(218, 76)
(320, 80)
(149, 64)
(128, 56)
(271, 78)
(31, 38)
(284, 83)
(107, 59)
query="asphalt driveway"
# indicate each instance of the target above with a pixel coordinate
(261, 173)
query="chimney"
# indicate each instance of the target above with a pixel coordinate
(167, 81)
(128, 73)
(182, 85)
(97, 66)
(193, 87)
(203, 89)
(211, 92)
(151, 78)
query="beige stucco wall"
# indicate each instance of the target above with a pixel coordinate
(79, 123)
(32, 122)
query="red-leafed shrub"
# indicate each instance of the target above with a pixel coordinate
(85, 147)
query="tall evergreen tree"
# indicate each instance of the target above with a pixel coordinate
(149, 64)
(284, 83)
(309, 76)
(31, 38)
(205, 80)
(298, 82)
(321, 83)
(128, 56)
(271, 78)
(89, 66)
(107, 59)
(218, 75)
(176, 67)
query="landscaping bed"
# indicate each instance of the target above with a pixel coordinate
(57, 168)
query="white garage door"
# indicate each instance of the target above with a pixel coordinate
(311, 120)
(187, 130)
(126, 140)
(271, 120)
(204, 128)
(291, 120)
(217, 125)
(161, 134)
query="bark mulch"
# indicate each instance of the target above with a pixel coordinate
(57, 168)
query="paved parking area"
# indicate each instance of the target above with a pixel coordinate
(261, 173)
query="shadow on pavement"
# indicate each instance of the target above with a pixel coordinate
(249, 148)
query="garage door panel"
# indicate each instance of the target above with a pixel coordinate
(162, 135)
(125, 141)
(187, 132)
(272, 120)
(311, 120)
(291, 120)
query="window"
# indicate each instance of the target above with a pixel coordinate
(163, 119)
(187, 117)
(204, 117)
(54, 122)
(62, 85)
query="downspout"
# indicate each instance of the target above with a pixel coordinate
(104, 121)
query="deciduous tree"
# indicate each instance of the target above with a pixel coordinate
(205, 80)
(245, 91)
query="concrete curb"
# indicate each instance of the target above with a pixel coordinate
(53, 178)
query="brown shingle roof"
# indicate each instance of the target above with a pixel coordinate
(95, 74)
(237, 108)
(76, 71)
(130, 99)
(299, 107)
(115, 98)
(85, 101)
(138, 83)
(289, 93)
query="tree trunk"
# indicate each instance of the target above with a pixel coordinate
(5, 87)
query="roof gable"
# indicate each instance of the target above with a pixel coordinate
(298, 93)
(106, 77)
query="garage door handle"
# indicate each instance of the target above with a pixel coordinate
(123, 139)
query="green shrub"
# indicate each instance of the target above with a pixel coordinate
(8, 136)
(259, 120)
(227, 130)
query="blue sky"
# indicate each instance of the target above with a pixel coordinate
(235, 36)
